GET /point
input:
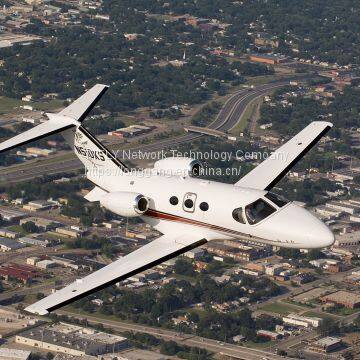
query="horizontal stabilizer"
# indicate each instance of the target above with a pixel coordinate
(276, 166)
(55, 125)
(80, 108)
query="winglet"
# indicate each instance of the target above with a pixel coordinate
(80, 108)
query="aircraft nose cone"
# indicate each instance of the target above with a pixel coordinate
(322, 236)
(296, 227)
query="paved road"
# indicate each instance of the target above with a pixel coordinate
(240, 352)
(227, 118)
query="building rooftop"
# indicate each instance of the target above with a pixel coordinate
(340, 296)
(327, 341)
(11, 244)
(71, 336)
(13, 354)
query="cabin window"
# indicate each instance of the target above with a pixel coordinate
(258, 211)
(174, 200)
(204, 206)
(238, 215)
(276, 199)
(189, 202)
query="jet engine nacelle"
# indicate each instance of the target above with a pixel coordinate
(128, 204)
(179, 166)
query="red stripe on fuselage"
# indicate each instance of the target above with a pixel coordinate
(172, 217)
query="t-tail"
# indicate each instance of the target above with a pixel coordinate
(99, 161)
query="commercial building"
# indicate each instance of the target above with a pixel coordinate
(8, 233)
(37, 205)
(130, 131)
(348, 299)
(71, 233)
(240, 252)
(328, 213)
(349, 239)
(11, 215)
(303, 321)
(250, 252)
(72, 340)
(9, 244)
(326, 345)
(272, 335)
(62, 261)
(343, 206)
(34, 241)
(45, 264)
(303, 278)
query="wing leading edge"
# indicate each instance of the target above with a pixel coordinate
(160, 250)
(266, 175)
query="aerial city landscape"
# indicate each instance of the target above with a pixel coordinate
(156, 234)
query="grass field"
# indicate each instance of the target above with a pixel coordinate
(318, 314)
(8, 104)
(49, 105)
(281, 308)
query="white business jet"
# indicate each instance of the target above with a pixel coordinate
(186, 209)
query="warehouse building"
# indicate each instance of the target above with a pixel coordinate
(71, 233)
(326, 345)
(303, 321)
(348, 299)
(11, 215)
(37, 205)
(45, 264)
(72, 340)
(9, 244)
(34, 241)
(343, 206)
(8, 233)
(350, 239)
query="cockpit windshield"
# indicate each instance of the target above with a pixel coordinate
(276, 199)
(258, 211)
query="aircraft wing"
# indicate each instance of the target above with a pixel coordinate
(152, 254)
(275, 167)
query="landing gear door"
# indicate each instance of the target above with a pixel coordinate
(189, 202)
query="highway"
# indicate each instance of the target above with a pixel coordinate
(228, 117)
